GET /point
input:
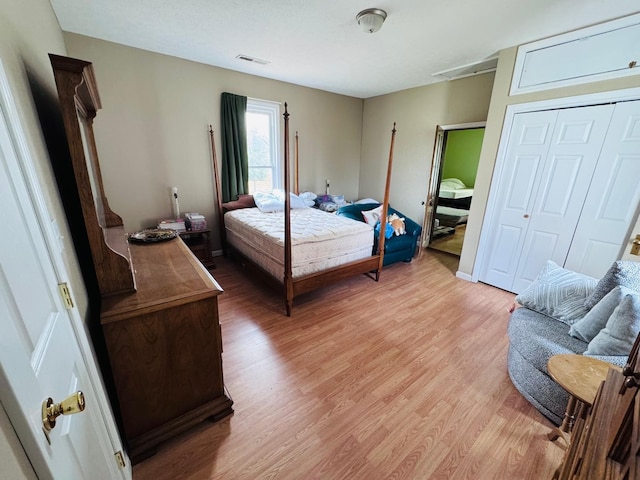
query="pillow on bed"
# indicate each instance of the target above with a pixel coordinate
(294, 200)
(268, 202)
(308, 198)
(274, 202)
(452, 184)
(243, 201)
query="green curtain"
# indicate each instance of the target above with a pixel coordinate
(235, 159)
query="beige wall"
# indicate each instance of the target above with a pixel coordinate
(152, 132)
(417, 112)
(500, 100)
(28, 32)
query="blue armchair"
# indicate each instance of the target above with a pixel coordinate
(396, 248)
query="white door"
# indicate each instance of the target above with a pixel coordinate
(434, 179)
(612, 204)
(566, 178)
(549, 163)
(40, 353)
(529, 142)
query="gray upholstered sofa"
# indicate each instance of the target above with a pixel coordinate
(534, 337)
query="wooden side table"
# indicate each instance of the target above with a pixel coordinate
(581, 377)
(199, 243)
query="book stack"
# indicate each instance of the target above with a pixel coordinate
(195, 221)
(177, 224)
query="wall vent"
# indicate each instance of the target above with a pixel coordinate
(476, 68)
(247, 58)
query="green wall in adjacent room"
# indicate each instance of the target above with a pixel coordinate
(462, 154)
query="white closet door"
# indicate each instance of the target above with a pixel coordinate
(569, 168)
(612, 204)
(517, 185)
(550, 160)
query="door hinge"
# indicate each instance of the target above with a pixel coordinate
(66, 295)
(120, 459)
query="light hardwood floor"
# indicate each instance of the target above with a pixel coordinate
(401, 379)
(450, 243)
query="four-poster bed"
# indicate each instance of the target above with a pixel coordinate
(296, 279)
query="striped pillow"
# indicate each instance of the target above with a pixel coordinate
(558, 293)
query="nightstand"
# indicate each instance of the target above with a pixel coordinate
(199, 242)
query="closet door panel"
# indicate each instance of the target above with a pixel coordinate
(569, 168)
(554, 216)
(611, 206)
(539, 244)
(518, 182)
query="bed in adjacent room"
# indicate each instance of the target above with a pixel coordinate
(450, 216)
(454, 193)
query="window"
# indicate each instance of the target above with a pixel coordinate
(263, 146)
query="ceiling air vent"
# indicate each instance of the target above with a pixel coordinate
(247, 58)
(476, 68)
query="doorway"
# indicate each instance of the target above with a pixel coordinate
(453, 173)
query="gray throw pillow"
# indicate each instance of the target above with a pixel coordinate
(558, 293)
(621, 331)
(624, 273)
(595, 320)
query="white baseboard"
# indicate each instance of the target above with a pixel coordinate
(464, 276)
(216, 253)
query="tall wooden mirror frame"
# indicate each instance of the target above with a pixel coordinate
(76, 84)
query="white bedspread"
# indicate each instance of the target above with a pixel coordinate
(455, 194)
(319, 240)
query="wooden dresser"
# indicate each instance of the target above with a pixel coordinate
(605, 441)
(159, 309)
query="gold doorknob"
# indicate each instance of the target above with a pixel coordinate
(635, 248)
(74, 403)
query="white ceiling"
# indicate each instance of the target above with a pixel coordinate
(317, 43)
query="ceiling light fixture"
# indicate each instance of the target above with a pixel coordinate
(371, 19)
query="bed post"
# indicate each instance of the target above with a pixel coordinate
(288, 277)
(296, 185)
(216, 175)
(385, 205)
